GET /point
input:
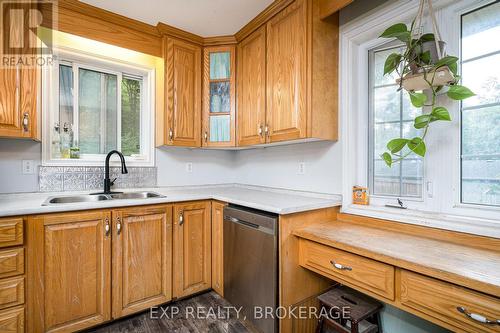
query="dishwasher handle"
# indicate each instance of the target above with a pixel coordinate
(235, 220)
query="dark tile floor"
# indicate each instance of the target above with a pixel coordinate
(205, 313)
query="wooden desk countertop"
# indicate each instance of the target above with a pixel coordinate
(471, 267)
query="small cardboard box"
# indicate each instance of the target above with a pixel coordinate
(360, 195)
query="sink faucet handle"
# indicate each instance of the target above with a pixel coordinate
(111, 183)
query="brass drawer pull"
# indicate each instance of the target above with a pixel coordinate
(477, 317)
(26, 122)
(181, 217)
(118, 225)
(340, 267)
(107, 228)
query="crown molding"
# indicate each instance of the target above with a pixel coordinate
(219, 40)
(105, 15)
(328, 7)
(165, 29)
(92, 22)
(271, 10)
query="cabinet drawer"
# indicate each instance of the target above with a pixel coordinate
(440, 300)
(350, 269)
(11, 262)
(11, 292)
(11, 231)
(12, 320)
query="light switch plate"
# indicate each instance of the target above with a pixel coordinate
(28, 167)
(189, 167)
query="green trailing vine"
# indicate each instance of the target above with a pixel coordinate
(413, 60)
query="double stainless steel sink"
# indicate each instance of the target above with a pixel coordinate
(100, 197)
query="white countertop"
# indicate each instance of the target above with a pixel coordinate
(272, 200)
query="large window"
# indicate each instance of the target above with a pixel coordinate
(98, 106)
(457, 184)
(480, 167)
(391, 116)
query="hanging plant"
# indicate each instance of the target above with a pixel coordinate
(422, 67)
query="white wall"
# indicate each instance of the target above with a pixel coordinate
(272, 166)
(279, 167)
(12, 152)
(209, 166)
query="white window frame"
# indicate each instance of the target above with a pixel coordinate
(50, 105)
(440, 205)
(371, 130)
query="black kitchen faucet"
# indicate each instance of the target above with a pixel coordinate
(108, 182)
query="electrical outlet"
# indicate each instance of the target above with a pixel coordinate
(28, 167)
(302, 168)
(189, 167)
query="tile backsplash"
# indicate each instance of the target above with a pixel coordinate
(58, 178)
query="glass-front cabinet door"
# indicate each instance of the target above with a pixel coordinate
(219, 97)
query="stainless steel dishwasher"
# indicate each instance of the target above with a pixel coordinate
(251, 263)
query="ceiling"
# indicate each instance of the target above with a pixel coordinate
(206, 18)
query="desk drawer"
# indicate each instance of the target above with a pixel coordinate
(11, 292)
(11, 262)
(348, 268)
(12, 320)
(440, 300)
(11, 231)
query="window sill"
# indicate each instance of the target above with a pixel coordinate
(98, 162)
(470, 225)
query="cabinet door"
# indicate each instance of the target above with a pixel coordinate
(183, 93)
(142, 258)
(219, 97)
(217, 247)
(287, 73)
(192, 246)
(251, 56)
(71, 282)
(18, 92)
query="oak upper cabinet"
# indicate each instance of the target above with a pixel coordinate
(287, 74)
(192, 248)
(219, 98)
(182, 121)
(70, 271)
(218, 247)
(251, 77)
(298, 99)
(142, 258)
(18, 103)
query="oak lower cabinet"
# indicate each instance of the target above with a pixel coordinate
(182, 117)
(89, 267)
(12, 278)
(142, 258)
(218, 247)
(192, 248)
(70, 281)
(18, 103)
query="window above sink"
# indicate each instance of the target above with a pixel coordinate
(97, 102)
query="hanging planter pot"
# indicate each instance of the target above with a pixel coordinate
(425, 52)
(420, 81)
(421, 66)
(420, 77)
